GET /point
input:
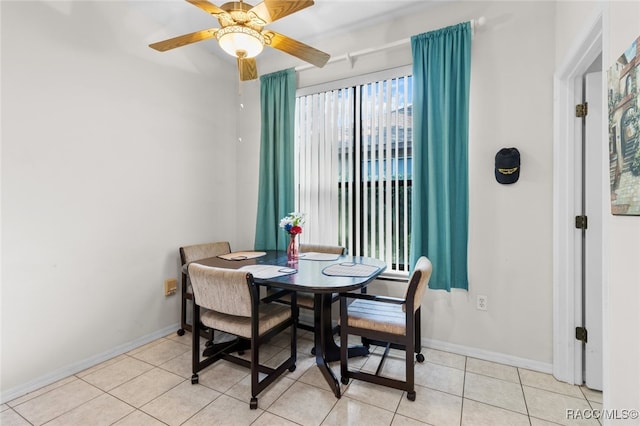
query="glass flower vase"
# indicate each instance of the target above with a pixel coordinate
(292, 249)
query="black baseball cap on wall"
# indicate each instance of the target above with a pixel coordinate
(507, 168)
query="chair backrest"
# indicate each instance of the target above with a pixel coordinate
(419, 281)
(318, 248)
(221, 290)
(202, 251)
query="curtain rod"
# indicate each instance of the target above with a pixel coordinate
(475, 23)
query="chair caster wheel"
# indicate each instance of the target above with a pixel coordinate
(344, 380)
(253, 404)
(420, 358)
(313, 350)
(292, 368)
(411, 396)
(180, 332)
(194, 379)
(208, 343)
(240, 352)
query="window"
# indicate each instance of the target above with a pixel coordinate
(353, 167)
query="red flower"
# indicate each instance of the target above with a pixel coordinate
(296, 230)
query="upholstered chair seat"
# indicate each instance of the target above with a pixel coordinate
(270, 315)
(377, 316)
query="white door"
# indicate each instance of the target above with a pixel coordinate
(594, 190)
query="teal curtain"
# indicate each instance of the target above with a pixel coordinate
(275, 186)
(440, 201)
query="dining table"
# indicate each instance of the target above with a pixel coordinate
(321, 274)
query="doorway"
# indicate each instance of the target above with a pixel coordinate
(593, 202)
(570, 264)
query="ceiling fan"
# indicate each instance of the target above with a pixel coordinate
(242, 34)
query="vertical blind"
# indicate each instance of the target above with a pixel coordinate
(353, 157)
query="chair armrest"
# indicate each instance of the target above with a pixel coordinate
(376, 298)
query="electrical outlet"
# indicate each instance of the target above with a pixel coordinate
(170, 286)
(481, 303)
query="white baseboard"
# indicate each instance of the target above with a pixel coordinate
(486, 355)
(482, 354)
(77, 367)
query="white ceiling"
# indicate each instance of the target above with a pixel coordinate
(307, 26)
(336, 16)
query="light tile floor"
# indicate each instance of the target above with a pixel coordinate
(151, 386)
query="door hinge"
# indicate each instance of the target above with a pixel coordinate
(581, 334)
(582, 110)
(581, 222)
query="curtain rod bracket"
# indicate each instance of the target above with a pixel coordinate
(349, 59)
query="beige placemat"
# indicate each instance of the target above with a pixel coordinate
(267, 271)
(349, 269)
(242, 255)
(312, 255)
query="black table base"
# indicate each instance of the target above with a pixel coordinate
(329, 350)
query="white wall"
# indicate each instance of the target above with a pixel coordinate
(248, 154)
(510, 226)
(113, 156)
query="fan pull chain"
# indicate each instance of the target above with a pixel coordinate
(240, 114)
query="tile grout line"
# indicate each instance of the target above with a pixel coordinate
(464, 381)
(524, 397)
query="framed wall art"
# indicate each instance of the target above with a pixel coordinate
(624, 131)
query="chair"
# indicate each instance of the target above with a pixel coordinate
(305, 300)
(233, 302)
(189, 254)
(386, 319)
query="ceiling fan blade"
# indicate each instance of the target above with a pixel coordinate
(207, 7)
(298, 49)
(183, 40)
(271, 10)
(247, 68)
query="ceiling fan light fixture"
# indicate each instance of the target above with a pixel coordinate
(240, 41)
(242, 35)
